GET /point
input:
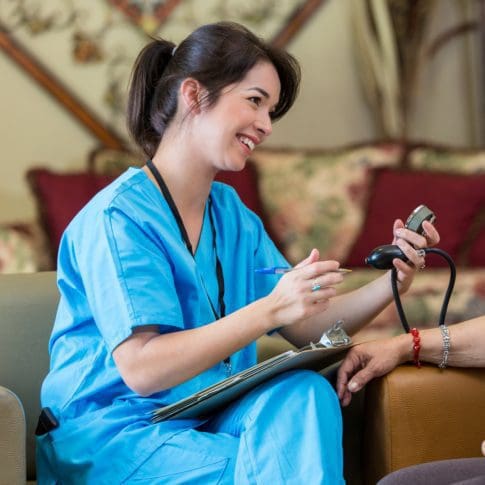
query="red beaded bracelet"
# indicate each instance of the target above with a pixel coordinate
(416, 346)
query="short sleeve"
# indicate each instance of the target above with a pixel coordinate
(127, 277)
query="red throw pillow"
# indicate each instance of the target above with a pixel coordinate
(454, 198)
(60, 196)
(476, 255)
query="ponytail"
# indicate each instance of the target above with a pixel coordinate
(144, 87)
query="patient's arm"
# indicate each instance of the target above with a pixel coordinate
(373, 359)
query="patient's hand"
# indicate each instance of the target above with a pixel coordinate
(369, 360)
(483, 448)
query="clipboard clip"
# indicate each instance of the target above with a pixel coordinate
(335, 336)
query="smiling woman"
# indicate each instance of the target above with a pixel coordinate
(155, 319)
(147, 313)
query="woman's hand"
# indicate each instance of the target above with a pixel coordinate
(410, 243)
(369, 360)
(304, 291)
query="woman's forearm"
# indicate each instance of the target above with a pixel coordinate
(467, 344)
(356, 309)
(150, 362)
(362, 305)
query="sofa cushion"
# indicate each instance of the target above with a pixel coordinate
(455, 199)
(315, 198)
(60, 196)
(28, 305)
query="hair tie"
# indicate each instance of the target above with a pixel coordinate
(173, 50)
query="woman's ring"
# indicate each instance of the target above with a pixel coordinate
(316, 286)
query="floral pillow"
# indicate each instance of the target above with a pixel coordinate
(447, 160)
(422, 303)
(17, 252)
(317, 198)
(108, 161)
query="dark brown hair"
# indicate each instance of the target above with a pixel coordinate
(216, 55)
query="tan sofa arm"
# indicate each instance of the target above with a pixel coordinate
(12, 439)
(419, 415)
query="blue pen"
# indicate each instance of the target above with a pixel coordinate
(285, 269)
(273, 270)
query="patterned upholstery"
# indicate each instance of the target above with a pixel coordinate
(315, 198)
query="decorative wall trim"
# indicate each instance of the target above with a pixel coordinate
(107, 136)
(55, 88)
(296, 21)
(151, 23)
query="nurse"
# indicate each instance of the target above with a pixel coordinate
(159, 297)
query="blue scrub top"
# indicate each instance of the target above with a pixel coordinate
(122, 263)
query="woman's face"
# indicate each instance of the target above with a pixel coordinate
(227, 132)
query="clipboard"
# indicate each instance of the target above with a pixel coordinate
(205, 402)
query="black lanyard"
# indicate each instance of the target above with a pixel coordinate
(219, 274)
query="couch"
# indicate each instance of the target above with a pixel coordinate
(342, 201)
(410, 416)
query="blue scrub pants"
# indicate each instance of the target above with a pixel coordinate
(286, 431)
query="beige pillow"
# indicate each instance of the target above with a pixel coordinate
(17, 253)
(447, 160)
(317, 198)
